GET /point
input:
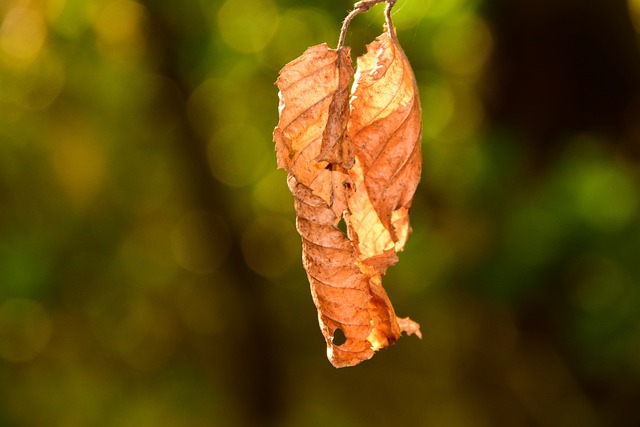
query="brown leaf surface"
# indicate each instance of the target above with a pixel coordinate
(354, 157)
(385, 127)
(307, 137)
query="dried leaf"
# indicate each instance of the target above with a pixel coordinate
(385, 127)
(306, 137)
(354, 157)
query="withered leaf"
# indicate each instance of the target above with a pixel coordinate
(385, 127)
(353, 157)
(307, 137)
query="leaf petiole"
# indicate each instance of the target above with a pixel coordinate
(361, 7)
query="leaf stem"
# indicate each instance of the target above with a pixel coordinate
(387, 16)
(361, 7)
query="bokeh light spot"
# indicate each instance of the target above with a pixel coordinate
(271, 193)
(79, 162)
(25, 329)
(119, 26)
(634, 12)
(270, 246)
(22, 35)
(202, 106)
(462, 46)
(238, 154)
(295, 35)
(606, 196)
(247, 25)
(441, 8)
(192, 245)
(135, 329)
(40, 84)
(409, 13)
(25, 266)
(438, 107)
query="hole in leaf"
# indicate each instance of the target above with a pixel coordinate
(342, 225)
(338, 337)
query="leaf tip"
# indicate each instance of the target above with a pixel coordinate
(409, 326)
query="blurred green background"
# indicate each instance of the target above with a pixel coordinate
(150, 270)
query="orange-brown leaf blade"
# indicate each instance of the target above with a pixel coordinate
(336, 147)
(355, 156)
(311, 145)
(340, 291)
(313, 118)
(385, 127)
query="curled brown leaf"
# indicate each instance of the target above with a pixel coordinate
(353, 157)
(385, 127)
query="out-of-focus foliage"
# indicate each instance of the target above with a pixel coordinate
(149, 264)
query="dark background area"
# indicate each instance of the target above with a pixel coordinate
(150, 270)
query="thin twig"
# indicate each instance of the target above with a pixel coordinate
(387, 16)
(361, 7)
